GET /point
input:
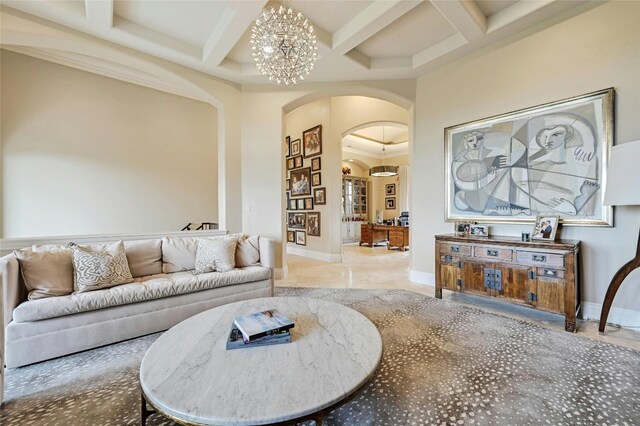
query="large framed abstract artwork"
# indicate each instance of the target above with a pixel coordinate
(548, 159)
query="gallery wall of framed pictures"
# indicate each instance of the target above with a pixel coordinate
(303, 160)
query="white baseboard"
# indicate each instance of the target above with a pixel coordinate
(426, 278)
(318, 255)
(620, 316)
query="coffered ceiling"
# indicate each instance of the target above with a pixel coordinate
(358, 39)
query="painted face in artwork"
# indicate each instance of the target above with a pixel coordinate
(473, 140)
(552, 138)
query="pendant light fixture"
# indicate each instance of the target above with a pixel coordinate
(283, 45)
(383, 170)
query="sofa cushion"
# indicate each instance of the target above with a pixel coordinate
(142, 289)
(179, 254)
(47, 273)
(215, 255)
(95, 269)
(144, 257)
(247, 251)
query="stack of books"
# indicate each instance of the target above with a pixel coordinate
(260, 329)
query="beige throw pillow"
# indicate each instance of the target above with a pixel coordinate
(247, 251)
(215, 255)
(97, 269)
(46, 273)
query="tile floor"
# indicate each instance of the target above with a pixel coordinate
(379, 268)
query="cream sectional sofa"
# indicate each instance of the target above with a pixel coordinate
(165, 291)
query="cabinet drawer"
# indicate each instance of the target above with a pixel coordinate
(550, 273)
(494, 253)
(540, 258)
(459, 249)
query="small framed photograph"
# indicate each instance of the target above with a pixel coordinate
(462, 229)
(315, 179)
(545, 227)
(287, 184)
(295, 148)
(296, 220)
(312, 141)
(313, 224)
(291, 236)
(290, 164)
(390, 203)
(479, 230)
(316, 164)
(308, 203)
(287, 146)
(390, 189)
(301, 238)
(297, 162)
(300, 203)
(293, 205)
(319, 196)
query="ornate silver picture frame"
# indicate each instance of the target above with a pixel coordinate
(548, 159)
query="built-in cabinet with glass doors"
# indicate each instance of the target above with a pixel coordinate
(354, 207)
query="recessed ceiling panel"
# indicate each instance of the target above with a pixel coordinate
(241, 52)
(413, 32)
(489, 7)
(330, 15)
(190, 22)
(368, 140)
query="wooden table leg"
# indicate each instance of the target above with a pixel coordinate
(617, 280)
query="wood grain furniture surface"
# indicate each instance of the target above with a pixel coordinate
(538, 274)
(397, 236)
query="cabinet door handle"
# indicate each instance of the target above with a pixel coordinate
(538, 258)
(550, 273)
(455, 249)
(448, 258)
(493, 253)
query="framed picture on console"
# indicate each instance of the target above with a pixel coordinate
(545, 227)
(312, 141)
(510, 168)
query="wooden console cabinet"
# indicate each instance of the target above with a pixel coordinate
(539, 274)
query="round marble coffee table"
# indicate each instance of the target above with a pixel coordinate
(187, 374)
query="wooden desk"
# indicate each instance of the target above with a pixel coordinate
(397, 236)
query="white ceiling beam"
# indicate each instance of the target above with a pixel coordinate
(100, 12)
(515, 12)
(465, 16)
(229, 29)
(369, 22)
(440, 49)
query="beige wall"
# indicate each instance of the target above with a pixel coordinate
(85, 154)
(595, 50)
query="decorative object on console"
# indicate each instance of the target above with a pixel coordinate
(549, 158)
(312, 141)
(545, 227)
(622, 190)
(479, 230)
(462, 229)
(283, 45)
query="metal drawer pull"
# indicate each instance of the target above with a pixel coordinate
(448, 258)
(550, 273)
(455, 249)
(493, 253)
(538, 258)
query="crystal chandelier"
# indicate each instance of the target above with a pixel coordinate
(283, 45)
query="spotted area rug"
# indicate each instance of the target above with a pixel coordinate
(443, 363)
